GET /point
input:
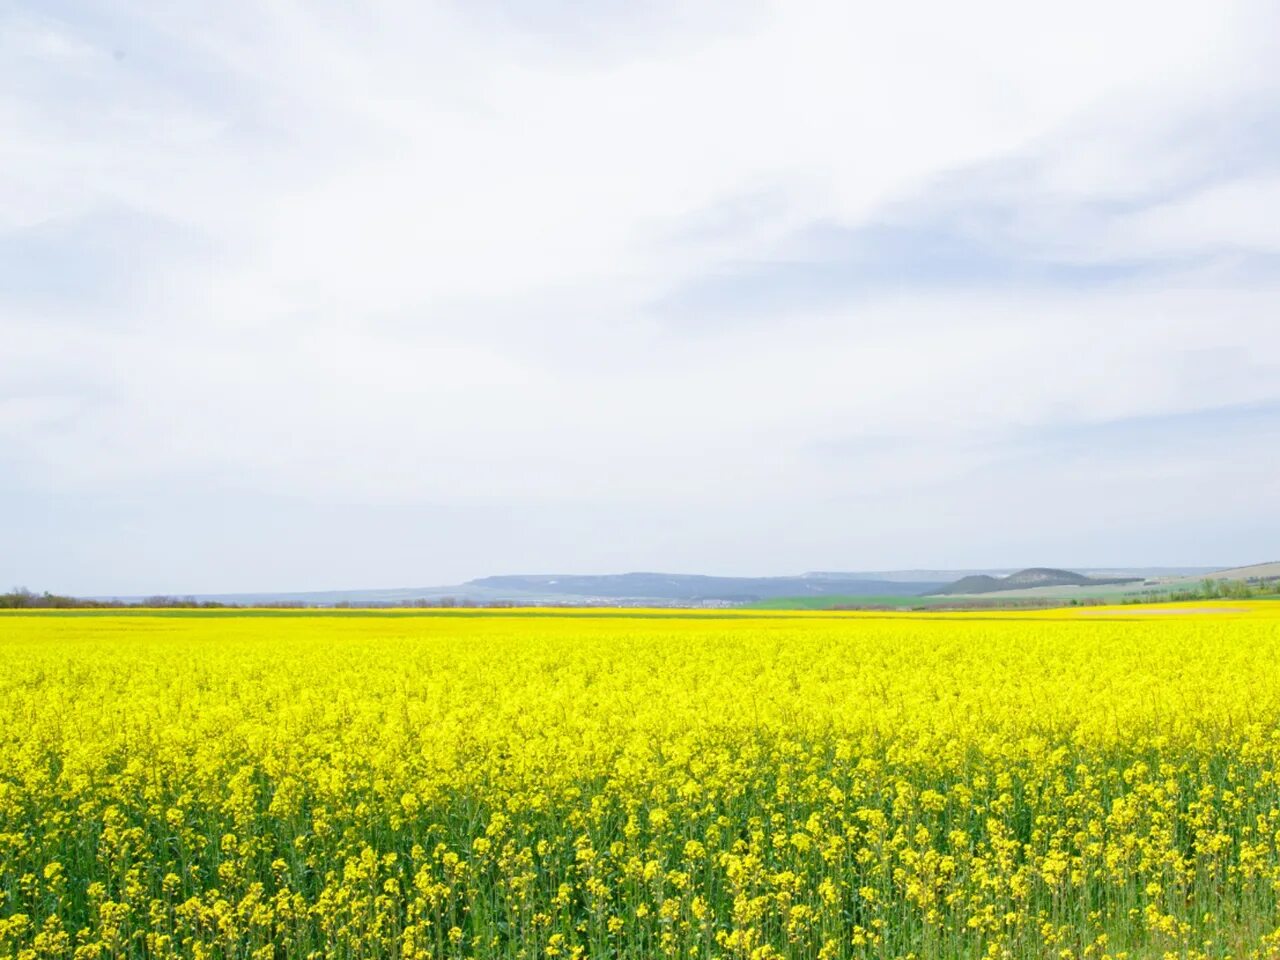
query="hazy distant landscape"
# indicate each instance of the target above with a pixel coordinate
(827, 589)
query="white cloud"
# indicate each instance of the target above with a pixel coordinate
(1234, 216)
(422, 247)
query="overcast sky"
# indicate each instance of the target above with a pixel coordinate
(306, 296)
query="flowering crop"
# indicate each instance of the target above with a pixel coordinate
(632, 785)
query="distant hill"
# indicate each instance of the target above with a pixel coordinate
(1254, 573)
(975, 583)
(946, 576)
(691, 587)
(906, 576)
(1032, 577)
(675, 590)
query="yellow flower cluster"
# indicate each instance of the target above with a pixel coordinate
(526, 785)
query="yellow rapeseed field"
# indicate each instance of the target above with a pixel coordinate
(520, 784)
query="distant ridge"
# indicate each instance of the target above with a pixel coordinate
(1255, 573)
(1029, 578)
(693, 587)
(666, 589)
(942, 575)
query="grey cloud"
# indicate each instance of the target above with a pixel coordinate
(101, 257)
(997, 224)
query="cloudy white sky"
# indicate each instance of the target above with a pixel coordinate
(342, 295)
